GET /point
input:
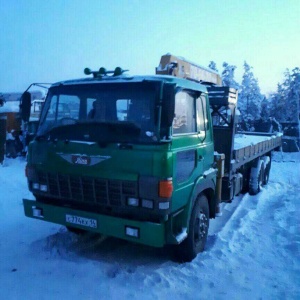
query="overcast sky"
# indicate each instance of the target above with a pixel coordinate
(53, 40)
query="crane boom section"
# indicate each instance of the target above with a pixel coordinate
(180, 67)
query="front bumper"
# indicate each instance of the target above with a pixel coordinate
(152, 234)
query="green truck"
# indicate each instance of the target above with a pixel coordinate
(147, 159)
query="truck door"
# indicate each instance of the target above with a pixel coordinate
(206, 149)
(189, 144)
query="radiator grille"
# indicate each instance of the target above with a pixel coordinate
(85, 189)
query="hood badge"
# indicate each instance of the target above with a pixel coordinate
(82, 159)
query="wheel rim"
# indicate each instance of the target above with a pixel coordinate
(266, 175)
(266, 178)
(201, 226)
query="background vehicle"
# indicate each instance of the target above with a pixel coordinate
(21, 114)
(144, 158)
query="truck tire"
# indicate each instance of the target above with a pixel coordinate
(267, 168)
(256, 178)
(246, 175)
(198, 230)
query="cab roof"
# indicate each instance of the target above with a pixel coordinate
(179, 82)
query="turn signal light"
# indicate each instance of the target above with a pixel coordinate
(165, 188)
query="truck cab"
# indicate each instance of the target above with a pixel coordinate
(137, 151)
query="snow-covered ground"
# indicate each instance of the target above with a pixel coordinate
(253, 251)
(10, 106)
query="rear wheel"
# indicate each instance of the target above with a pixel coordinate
(267, 165)
(246, 176)
(198, 230)
(256, 178)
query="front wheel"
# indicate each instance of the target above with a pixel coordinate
(198, 230)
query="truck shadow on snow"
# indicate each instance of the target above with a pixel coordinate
(70, 246)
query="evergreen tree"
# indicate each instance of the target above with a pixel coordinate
(285, 102)
(294, 96)
(228, 76)
(279, 103)
(250, 97)
(265, 109)
(212, 65)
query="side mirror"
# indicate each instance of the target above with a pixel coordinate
(25, 106)
(168, 105)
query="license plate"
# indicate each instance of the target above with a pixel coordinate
(87, 222)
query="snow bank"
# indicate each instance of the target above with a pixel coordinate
(252, 251)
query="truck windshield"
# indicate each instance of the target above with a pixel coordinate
(103, 112)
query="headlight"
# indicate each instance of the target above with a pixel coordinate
(131, 231)
(164, 205)
(147, 203)
(132, 201)
(43, 188)
(36, 186)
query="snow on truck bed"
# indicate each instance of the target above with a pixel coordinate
(244, 140)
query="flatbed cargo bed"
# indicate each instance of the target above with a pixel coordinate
(249, 146)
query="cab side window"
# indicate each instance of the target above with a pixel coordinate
(184, 120)
(202, 120)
